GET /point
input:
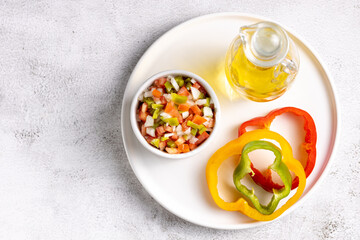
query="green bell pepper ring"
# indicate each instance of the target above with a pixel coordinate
(278, 166)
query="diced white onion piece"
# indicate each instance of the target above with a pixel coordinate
(187, 131)
(148, 94)
(150, 131)
(178, 128)
(201, 102)
(167, 97)
(211, 101)
(185, 114)
(168, 135)
(193, 140)
(190, 102)
(157, 100)
(141, 97)
(195, 93)
(208, 112)
(160, 90)
(179, 131)
(209, 129)
(207, 121)
(149, 121)
(174, 83)
(192, 81)
(173, 128)
(190, 97)
(165, 115)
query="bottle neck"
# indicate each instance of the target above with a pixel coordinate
(265, 45)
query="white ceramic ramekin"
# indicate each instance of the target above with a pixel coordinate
(134, 107)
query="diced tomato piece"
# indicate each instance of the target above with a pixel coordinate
(184, 148)
(180, 119)
(196, 110)
(162, 145)
(156, 93)
(196, 85)
(202, 138)
(160, 131)
(201, 89)
(163, 100)
(143, 130)
(183, 91)
(160, 82)
(144, 107)
(192, 146)
(172, 150)
(174, 137)
(199, 120)
(180, 141)
(184, 107)
(190, 117)
(148, 138)
(171, 109)
(142, 116)
(184, 126)
(168, 129)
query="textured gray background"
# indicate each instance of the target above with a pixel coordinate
(64, 66)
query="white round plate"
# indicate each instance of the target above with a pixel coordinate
(199, 46)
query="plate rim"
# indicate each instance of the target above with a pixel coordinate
(336, 125)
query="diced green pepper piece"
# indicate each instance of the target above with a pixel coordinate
(161, 122)
(201, 96)
(202, 129)
(149, 101)
(155, 142)
(207, 104)
(172, 121)
(178, 99)
(186, 137)
(193, 131)
(156, 106)
(168, 87)
(164, 138)
(151, 111)
(188, 80)
(156, 125)
(193, 125)
(179, 81)
(156, 113)
(188, 85)
(171, 144)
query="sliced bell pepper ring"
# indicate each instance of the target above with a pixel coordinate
(278, 166)
(309, 144)
(235, 147)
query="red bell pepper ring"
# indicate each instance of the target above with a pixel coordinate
(309, 144)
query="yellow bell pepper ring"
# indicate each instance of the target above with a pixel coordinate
(235, 147)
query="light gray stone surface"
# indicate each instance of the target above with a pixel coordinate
(64, 66)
